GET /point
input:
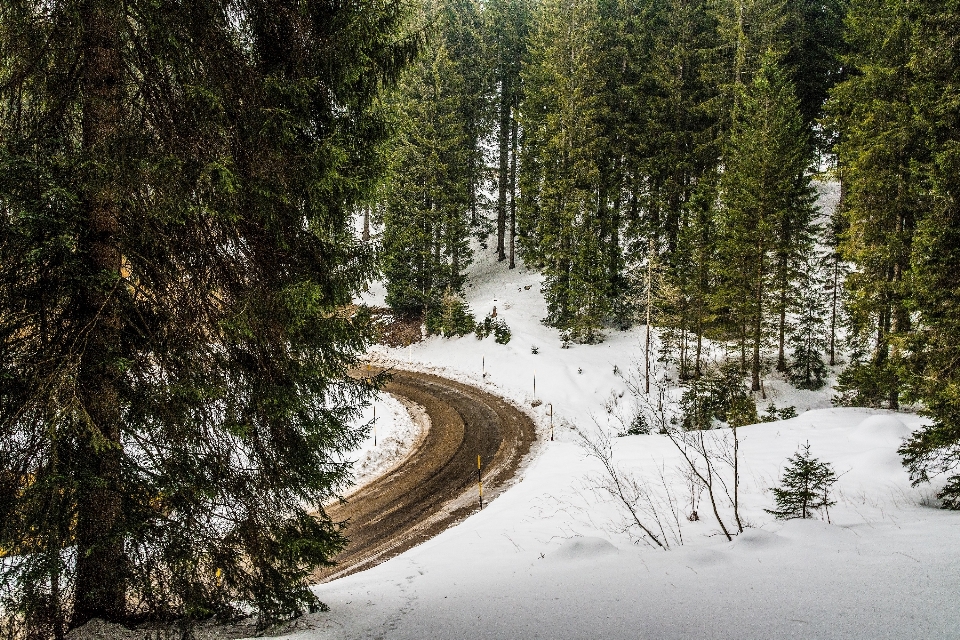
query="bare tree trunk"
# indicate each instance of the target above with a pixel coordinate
(833, 310)
(513, 192)
(781, 357)
(101, 566)
(758, 326)
(646, 349)
(736, 479)
(366, 224)
(502, 176)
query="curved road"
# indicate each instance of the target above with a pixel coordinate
(436, 486)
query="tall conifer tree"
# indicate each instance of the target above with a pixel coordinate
(431, 191)
(763, 186)
(176, 185)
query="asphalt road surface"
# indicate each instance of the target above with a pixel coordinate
(436, 486)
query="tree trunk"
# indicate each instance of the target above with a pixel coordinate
(513, 192)
(646, 348)
(758, 326)
(502, 176)
(101, 569)
(833, 310)
(784, 284)
(366, 224)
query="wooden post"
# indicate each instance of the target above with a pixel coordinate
(551, 421)
(479, 482)
(374, 425)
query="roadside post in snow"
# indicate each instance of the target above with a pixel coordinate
(375, 425)
(479, 482)
(550, 404)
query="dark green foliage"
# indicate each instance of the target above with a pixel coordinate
(766, 207)
(501, 332)
(935, 450)
(773, 414)
(808, 339)
(451, 318)
(432, 182)
(804, 487)
(935, 259)
(718, 395)
(882, 158)
(637, 427)
(176, 186)
(496, 326)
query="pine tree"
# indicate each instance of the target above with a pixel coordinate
(809, 337)
(426, 247)
(464, 34)
(176, 186)
(508, 24)
(935, 253)
(804, 486)
(764, 188)
(563, 208)
(881, 156)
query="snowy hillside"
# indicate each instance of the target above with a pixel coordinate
(557, 557)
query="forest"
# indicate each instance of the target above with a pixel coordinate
(658, 163)
(180, 256)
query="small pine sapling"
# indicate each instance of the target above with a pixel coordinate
(804, 487)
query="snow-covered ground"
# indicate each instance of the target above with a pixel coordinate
(555, 557)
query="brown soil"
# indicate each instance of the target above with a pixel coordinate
(437, 484)
(393, 330)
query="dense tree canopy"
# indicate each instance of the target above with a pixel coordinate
(176, 183)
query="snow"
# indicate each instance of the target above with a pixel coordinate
(547, 559)
(398, 428)
(554, 556)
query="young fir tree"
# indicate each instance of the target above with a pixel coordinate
(763, 188)
(809, 338)
(804, 486)
(426, 219)
(176, 188)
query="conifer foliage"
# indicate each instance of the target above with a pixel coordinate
(176, 183)
(804, 487)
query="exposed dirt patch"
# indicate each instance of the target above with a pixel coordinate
(393, 330)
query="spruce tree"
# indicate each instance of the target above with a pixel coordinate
(763, 188)
(809, 338)
(429, 195)
(507, 29)
(565, 212)
(935, 256)
(881, 156)
(176, 186)
(804, 486)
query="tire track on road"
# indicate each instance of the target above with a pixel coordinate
(436, 486)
